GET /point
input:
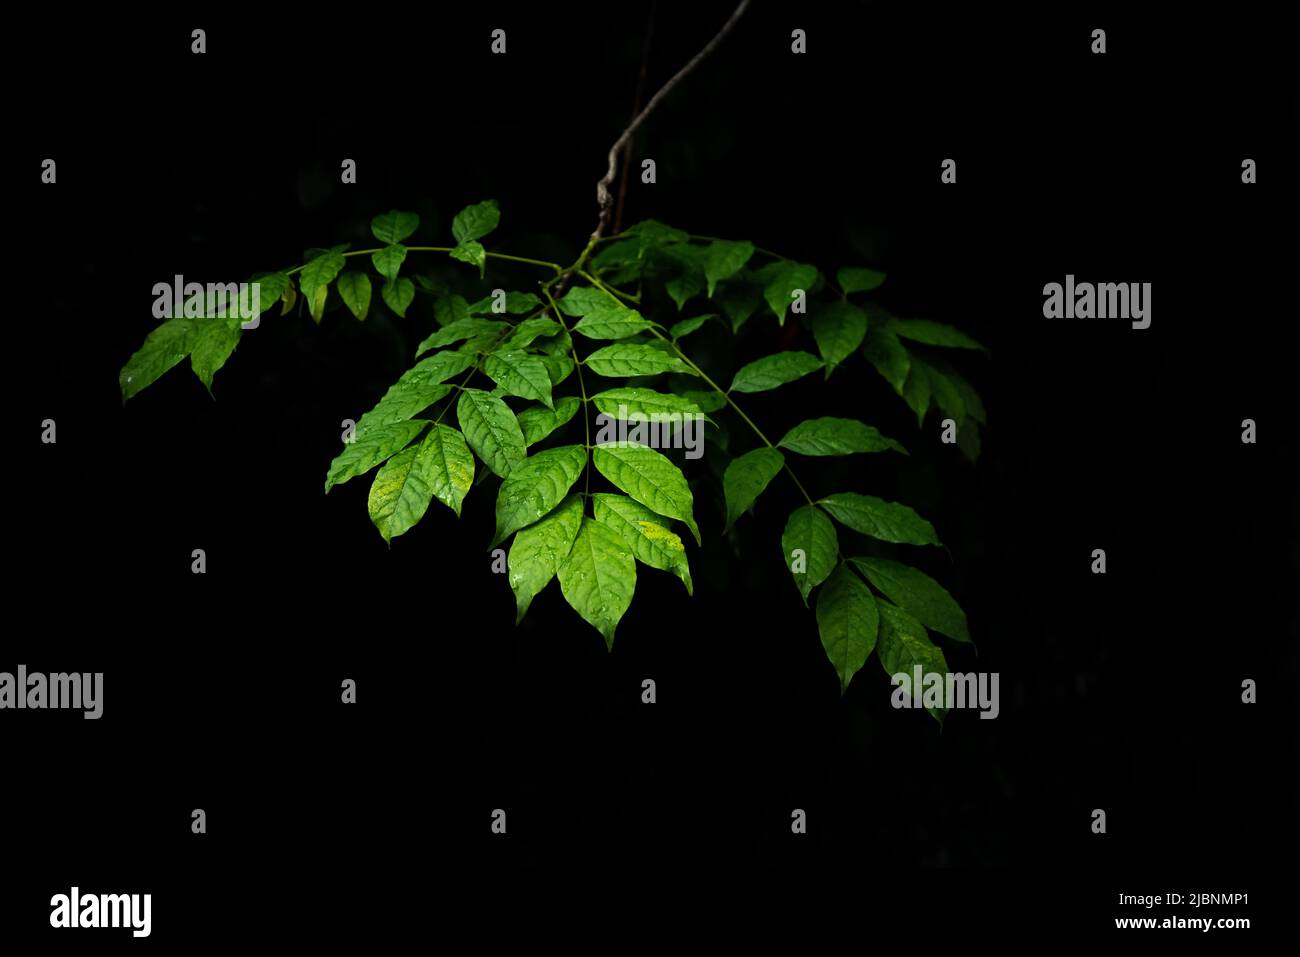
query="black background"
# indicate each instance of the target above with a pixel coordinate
(328, 822)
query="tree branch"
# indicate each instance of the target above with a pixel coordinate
(603, 198)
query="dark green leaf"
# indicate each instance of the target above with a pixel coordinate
(887, 521)
(393, 227)
(810, 548)
(918, 594)
(838, 328)
(475, 222)
(773, 371)
(832, 436)
(847, 620)
(745, 479)
(856, 279)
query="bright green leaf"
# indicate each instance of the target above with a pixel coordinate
(535, 486)
(472, 253)
(598, 577)
(354, 290)
(369, 448)
(538, 550)
(902, 646)
(520, 374)
(537, 422)
(165, 346)
(649, 477)
(491, 430)
(388, 261)
(461, 329)
(632, 359)
(646, 533)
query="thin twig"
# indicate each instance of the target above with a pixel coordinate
(603, 198)
(636, 108)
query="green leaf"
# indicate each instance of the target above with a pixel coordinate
(388, 261)
(745, 479)
(581, 300)
(400, 494)
(739, 300)
(832, 436)
(398, 294)
(520, 374)
(888, 355)
(316, 302)
(537, 422)
(393, 227)
(646, 533)
(649, 477)
(535, 486)
(165, 346)
(629, 403)
(887, 521)
(723, 259)
(515, 303)
(538, 551)
(491, 430)
(531, 329)
(916, 390)
(558, 368)
(461, 329)
(945, 394)
(650, 232)
(684, 287)
(785, 278)
(369, 448)
(933, 333)
(839, 328)
(856, 279)
(472, 253)
(706, 401)
(214, 341)
(687, 326)
(918, 594)
(772, 371)
(270, 288)
(598, 577)
(902, 645)
(417, 389)
(848, 620)
(448, 465)
(450, 309)
(318, 274)
(970, 399)
(811, 548)
(354, 290)
(475, 222)
(613, 322)
(633, 359)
